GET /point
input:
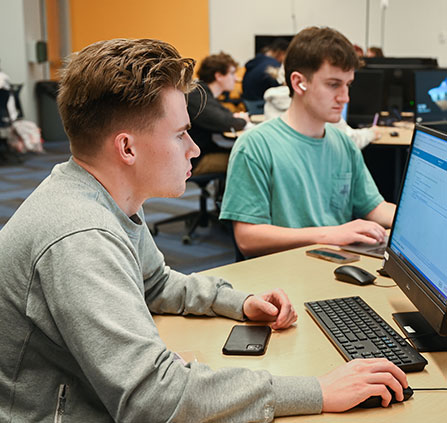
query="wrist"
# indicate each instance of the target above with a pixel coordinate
(322, 235)
(244, 314)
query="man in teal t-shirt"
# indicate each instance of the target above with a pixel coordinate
(295, 181)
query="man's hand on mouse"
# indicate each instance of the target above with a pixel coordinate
(357, 380)
(272, 306)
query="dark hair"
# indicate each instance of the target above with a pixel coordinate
(278, 44)
(118, 82)
(376, 51)
(313, 46)
(215, 63)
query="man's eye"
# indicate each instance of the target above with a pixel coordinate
(180, 136)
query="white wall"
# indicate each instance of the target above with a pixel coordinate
(412, 27)
(20, 23)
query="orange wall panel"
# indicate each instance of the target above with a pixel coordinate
(183, 23)
(53, 36)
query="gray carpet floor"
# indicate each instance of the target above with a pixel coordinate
(210, 247)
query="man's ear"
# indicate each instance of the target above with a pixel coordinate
(218, 76)
(125, 147)
(299, 82)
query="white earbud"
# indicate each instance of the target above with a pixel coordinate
(302, 86)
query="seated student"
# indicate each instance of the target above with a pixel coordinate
(81, 274)
(294, 180)
(217, 73)
(374, 52)
(277, 102)
(257, 77)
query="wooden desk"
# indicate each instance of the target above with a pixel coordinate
(257, 118)
(304, 349)
(404, 131)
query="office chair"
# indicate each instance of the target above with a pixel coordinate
(7, 154)
(15, 91)
(5, 124)
(202, 216)
(254, 107)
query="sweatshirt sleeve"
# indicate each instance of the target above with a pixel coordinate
(87, 296)
(213, 116)
(174, 293)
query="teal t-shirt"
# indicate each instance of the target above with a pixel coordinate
(280, 177)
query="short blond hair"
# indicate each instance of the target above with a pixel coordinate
(118, 83)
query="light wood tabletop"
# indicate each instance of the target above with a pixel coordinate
(397, 135)
(304, 349)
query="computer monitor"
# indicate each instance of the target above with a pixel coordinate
(365, 97)
(398, 86)
(430, 94)
(344, 112)
(416, 253)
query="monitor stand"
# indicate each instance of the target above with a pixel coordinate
(420, 333)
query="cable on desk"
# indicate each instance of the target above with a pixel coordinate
(384, 286)
(382, 272)
(429, 389)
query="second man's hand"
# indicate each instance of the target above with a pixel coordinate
(272, 306)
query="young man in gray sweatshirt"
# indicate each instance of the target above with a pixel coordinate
(81, 274)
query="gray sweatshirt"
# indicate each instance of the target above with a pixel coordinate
(80, 280)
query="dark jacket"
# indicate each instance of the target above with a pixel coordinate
(214, 118)
(256, 79)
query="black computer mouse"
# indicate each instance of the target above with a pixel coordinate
(353, 274)
(376, 401)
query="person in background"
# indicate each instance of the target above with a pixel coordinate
(358, 50)
(374, 52)
(257, 78)
(295, 180)
(81, 275)
(217, 74)
(277, 101)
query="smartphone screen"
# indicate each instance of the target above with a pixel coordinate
(336, 256)
(247, 340)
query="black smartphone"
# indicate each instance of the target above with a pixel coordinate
(247, 340)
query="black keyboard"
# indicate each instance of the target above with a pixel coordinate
(357, 331)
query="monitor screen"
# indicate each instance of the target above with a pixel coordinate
(365, 97)
(344, 112)
(416, 252)
(430, 94)
(398, 87)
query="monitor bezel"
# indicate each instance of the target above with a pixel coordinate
(427, 301)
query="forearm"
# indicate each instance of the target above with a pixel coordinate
(383, 214)
(217, 118)
(242, 395)
(257, 240)
(175, 293)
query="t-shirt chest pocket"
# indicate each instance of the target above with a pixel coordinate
(341, 190)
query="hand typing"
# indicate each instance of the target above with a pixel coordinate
(356, 231)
